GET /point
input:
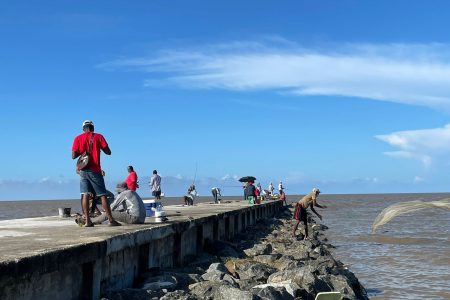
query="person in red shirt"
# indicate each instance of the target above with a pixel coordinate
(132, 179)
(91, 179)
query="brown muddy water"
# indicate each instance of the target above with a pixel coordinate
(408, 258)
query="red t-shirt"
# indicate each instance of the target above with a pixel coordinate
(131, 181)
(81, 144)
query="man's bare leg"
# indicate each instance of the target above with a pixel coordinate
(85, 207)
(296, 226)
(107, 210)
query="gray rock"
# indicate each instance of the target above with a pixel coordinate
(131, 294)
(303, 278)
(184, 279)
(178, 295)
(206, 289)
(266, 259)
(217, 267)
(273, 293)
(292, 288)
(259, 249)
(257, 271)
(341, 284)
(225, 292)
(167, 282)
(213, 276)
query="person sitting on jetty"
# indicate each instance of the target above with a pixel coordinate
(300, 214)
(191, 195)
(127, 207)
(215, 191)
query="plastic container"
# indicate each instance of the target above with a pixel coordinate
(150, 206)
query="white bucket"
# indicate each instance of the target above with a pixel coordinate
(64, 212)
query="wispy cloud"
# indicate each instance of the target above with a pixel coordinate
(403, 73)
(423, 145)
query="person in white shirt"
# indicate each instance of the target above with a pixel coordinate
(215, 191)
(280, 187)
(271, 188)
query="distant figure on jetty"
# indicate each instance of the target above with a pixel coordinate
(132, 179)
(280, 187)
(215, 191)
(127, 207)
(300, 214)
(249, 191)
(271, 188)
(282, 196)
(191, 195)
(91, 178)
(155, 185)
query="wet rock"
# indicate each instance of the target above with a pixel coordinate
(272, 293)
(341, 284)
(215, 276)
(217, 267)
(226, 292)
(179, 295)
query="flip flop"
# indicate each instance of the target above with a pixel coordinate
(90, 225)
(115, 223)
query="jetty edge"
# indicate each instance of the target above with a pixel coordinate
(51, 257)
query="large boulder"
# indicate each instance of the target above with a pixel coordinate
(272, 293)
(156, 283)
(184, 279)
(179, 295)
(256, 271)
(303, 278)
(226, 292)
(132, 294)
(205, 290)
(259, 249)
(292, 288)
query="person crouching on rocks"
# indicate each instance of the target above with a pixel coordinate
(300, 214)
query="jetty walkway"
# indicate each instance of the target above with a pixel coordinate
(51, 257)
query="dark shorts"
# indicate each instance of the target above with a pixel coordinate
(300, 214)
(156, 193)
(92, 182)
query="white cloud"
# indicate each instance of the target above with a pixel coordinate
(423, 145)
(418, 179)
(404, 73)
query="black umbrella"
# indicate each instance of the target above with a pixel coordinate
(247, 178)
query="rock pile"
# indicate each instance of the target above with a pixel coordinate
(265, 263)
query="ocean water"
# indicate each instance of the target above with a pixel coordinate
(408, 258)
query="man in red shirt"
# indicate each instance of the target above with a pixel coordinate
(132, 179)
(91, 179)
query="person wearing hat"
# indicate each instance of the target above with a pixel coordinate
(91, 179)
(300, 214)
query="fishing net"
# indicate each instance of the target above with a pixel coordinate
(401, 208)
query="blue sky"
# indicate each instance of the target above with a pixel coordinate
(348, 96)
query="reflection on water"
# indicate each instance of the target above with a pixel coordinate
(409, 258)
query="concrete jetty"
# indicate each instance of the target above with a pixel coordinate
(51, 257)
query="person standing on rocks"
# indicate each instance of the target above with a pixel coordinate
(300, 214)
